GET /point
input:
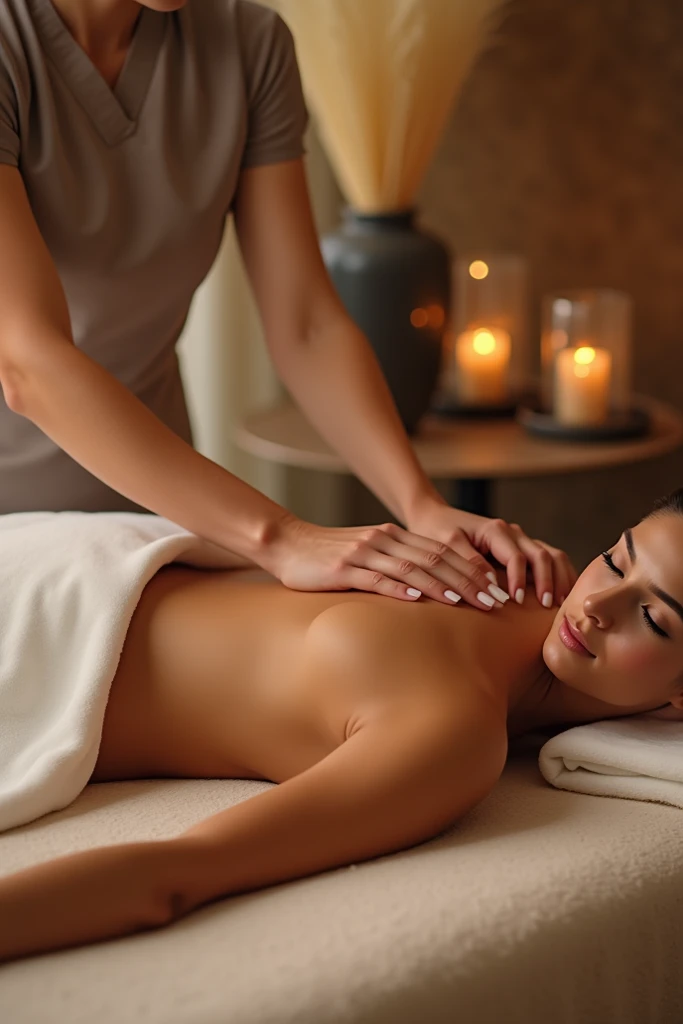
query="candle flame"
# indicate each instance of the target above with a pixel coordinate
(479, 270)
(583, 357)
(483, 343)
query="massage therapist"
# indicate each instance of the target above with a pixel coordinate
(128, 132)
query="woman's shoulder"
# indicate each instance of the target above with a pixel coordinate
(378, 656)
(391, 643)
(371, 618)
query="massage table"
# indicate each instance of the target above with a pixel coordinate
(538, 906)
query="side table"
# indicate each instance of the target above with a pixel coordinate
(472, 453)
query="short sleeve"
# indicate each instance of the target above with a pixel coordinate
(9, 121)
(277, 115)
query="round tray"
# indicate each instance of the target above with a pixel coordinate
(620, 425)
(444, 405)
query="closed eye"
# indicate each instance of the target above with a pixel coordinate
(649, 621)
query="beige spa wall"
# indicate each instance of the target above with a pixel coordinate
(567, 146)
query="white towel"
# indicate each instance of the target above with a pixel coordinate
(69, 584)
(639, 758)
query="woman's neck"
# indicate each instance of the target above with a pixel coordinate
(103, 28)
(544, 702)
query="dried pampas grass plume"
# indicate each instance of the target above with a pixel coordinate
(381, 77)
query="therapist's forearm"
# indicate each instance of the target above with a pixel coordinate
(105, 428)
(336, 379)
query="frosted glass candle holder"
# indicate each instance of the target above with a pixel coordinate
(586, 361)
(485, 359)
(586, 355)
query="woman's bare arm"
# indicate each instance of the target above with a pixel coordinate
(397, 781)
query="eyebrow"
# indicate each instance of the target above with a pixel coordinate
(662, 594)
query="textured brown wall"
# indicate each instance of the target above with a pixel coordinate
(567, 146)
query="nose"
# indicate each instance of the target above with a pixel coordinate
(598, 607)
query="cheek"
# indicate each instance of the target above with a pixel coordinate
(638, 659)
(632, 659)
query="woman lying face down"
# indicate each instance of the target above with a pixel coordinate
(383, 723)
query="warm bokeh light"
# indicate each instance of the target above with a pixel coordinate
(562, 307)
(479, 270)
(435, 316)
(483, 343)
(558, 339)
(419, 317)
(583, 357)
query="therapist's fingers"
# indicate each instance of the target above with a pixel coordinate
(382, 559)
(508, 543)
(457, 550)
(553, 574)
(499, 538)
(564, 573)
(435, 569)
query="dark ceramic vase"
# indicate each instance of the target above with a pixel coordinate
(394, 280)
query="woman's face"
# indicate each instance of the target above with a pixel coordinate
(626, 608)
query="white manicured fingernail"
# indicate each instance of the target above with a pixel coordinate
(519, 595)
(547, 600)
(412, 592)
(499, 594)
(451, 596)
(485, 599)
(492, 576)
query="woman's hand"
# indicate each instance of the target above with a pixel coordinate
(472, 536)
(382, 559)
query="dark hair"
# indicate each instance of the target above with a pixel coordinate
(672, 504)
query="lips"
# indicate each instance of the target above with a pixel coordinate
(572, 638)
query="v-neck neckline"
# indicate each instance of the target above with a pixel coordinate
(114, 112)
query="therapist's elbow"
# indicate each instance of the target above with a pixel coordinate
(13, 369)
(18, 372)
(11, 383)
(15, 381)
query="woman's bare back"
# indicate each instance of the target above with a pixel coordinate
(232, 675)
(209, 683)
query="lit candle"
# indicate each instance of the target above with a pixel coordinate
(582, 379)
(482, 357)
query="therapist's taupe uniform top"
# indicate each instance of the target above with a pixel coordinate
(130, 188)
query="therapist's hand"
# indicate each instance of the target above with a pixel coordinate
(472, 536)
(382, 559)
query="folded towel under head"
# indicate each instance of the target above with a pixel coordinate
(639, 758)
